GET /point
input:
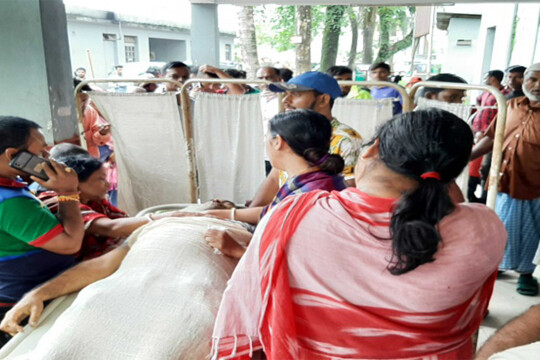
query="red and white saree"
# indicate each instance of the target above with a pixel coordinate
(314, 284)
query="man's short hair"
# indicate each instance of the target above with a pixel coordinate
(338, 70)
(66, 149)
(380, 65)
(119, 66)
(497, 74)
(173, 65)
(516, 69)
(14, 132)
(444, 77)
(285, 74)
(84, 88)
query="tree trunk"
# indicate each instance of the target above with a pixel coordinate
(387, 50)
(332, 30)
(248, 40)
(353, 19)
(303, 30)
(369, 17)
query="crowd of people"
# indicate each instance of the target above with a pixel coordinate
(350, 244)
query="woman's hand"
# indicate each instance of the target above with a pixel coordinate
(30, 305)
(62, 179)
(221, 240)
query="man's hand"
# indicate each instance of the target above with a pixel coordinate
(222, 241)
(62, 179)
(30, 305)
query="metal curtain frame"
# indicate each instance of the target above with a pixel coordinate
(408, 104)
(187, 114)
(192, 182)
(499, 130)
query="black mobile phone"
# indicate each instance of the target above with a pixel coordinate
(30, 164)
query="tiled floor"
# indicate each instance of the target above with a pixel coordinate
(505, 304)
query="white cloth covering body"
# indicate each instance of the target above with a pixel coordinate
(160, 304)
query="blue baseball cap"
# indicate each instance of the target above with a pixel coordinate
(312, 80)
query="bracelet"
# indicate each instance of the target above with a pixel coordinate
(74, 197)
(233, 211)
(149, 217)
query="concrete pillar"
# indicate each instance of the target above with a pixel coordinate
(204, 34)
(35, 69)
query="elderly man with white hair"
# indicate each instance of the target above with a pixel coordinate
(518, 201)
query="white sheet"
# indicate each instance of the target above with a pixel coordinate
(229, 143)
(160, 304)
(150, 147)
(363, 115)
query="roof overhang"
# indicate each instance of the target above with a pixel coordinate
(351, 2)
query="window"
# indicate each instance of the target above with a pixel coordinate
(462, 42)
(130, 46)
(109, 37)
(228, 52)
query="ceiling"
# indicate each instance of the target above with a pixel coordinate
(351, 2)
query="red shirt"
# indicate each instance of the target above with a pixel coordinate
(484, 117)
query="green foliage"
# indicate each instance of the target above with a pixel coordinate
(283, 25)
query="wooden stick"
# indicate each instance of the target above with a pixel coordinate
(91, 63)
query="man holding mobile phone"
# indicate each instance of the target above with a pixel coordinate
(34, 245)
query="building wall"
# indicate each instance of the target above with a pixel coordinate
(171, 45)
(86, 35)
(503, 55)
(461, 29)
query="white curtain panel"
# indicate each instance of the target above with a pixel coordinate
(229, 143)
(150, 148)
(363, 115)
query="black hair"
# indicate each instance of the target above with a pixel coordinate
(285, 74)
(308, 134)
(84, 88)
(380, 65)
(209, 74)
(338, 70)
(273, 69)
(83, 165)
(331, 102)
(119, 66)
(497, 74)
(444, 77)
(516, 69)
(77, 69)
(173, 65)
(66, 149)
(14, 132)
(236, 74)
(411, 144)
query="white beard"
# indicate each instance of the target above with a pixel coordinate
(529, 95)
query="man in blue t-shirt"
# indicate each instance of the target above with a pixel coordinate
(381, 72)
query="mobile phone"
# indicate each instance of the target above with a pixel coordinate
(30, 164)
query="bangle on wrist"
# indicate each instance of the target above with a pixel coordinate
(62, 198)
(233, 211)
(149, 217)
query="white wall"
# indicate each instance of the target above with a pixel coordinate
(83, 36)
(455, 56)
(501, 17)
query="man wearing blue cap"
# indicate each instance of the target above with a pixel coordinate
(316, 91)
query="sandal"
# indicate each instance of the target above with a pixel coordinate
(527, 285)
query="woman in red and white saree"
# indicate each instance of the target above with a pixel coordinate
(391, 269)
